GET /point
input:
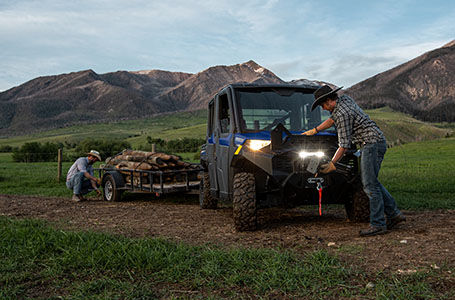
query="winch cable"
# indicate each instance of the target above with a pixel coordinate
(318, 181)
(319, 188)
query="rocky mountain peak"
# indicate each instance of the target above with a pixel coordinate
(197, 90)
(449, 44)
(252, 64)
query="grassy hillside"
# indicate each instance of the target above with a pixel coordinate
(398, 128)
(170, 126)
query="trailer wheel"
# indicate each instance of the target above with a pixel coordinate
(244, 202)
(206, 200)
(358, 206)
(111, 183)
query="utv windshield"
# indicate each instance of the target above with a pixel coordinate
(264, 109)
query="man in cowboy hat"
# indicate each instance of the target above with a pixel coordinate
(356, 127)
(80, 177)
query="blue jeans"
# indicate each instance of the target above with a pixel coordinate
(79, 184)
(381, 202)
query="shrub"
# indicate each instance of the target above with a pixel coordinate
(178, 145)
(105, 147)
(6, 148)
(36, 152)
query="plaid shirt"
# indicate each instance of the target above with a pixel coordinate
(353, 125)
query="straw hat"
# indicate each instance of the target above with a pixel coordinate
(95, 153)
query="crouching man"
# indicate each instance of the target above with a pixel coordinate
(80, 177)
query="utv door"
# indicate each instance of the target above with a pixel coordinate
(223, 140)
(211, 149)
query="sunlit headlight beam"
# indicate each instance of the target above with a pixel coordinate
(305, 154)
(255, 145)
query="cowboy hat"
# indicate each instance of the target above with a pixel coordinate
(322, 93)
(95, 153)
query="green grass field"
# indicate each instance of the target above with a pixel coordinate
(32, 178)
(416, 173)
(419, 175)
(40, 261)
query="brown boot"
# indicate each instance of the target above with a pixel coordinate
(372, 230)
(77, 198)
(392, 222)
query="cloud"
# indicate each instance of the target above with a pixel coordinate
(286, 70)
(347, 68)
(105, 35)
(332, 41)
(347, 47)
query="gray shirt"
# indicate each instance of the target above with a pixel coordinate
(80, 165)
(353, 125)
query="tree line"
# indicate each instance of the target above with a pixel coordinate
(174, 146)
(45, 152)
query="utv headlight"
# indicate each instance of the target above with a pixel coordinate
(305, 154)
(255, 145)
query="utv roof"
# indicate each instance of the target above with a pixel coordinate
(306, 87)
(273, 85)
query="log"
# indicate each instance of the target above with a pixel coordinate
(150, 160)
(148, 155)
(134, 165)
(143, 160)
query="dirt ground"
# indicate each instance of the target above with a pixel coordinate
(426, 241)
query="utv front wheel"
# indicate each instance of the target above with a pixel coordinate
(358, 205)
(244, 202)
(206, 200)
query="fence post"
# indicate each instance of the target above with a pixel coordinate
(59, 160)
(153, 147)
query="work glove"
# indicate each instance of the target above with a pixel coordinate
(98, 181)
(327, 168)
(310, 132)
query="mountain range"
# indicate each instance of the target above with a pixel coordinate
(82, 97)
(423, 87)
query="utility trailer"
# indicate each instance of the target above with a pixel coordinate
(116, 181)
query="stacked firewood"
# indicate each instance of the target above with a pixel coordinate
(147, 161)
(142, 160)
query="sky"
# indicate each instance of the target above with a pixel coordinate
(341, 42)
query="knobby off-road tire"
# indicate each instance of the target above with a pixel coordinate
(244, 202)
(111, 183)
(358, 205)
(206, 200)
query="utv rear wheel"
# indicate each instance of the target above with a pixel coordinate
(358, 206)
(244, 202)
(206, 200)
